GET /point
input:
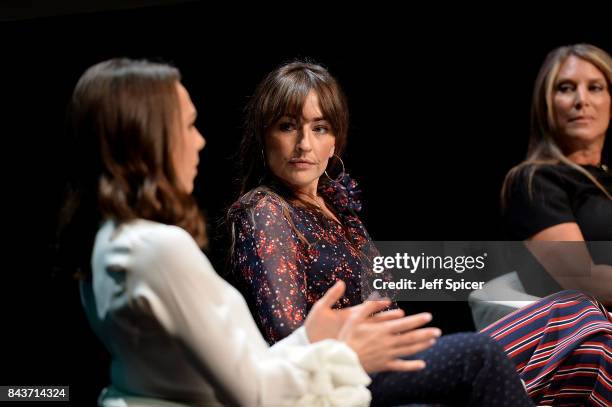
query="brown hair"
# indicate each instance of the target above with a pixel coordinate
(543, 147)
(123, 120)
(281, 93)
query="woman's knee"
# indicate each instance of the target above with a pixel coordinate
(470, 345)
(485, 349)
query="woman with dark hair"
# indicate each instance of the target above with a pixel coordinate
(563, 190)
(175, 329)
(296, 231)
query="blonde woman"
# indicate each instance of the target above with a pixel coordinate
(563, 190)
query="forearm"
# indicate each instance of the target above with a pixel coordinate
(598, 283)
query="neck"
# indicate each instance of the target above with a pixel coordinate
(585, 153)
(308, 190)
(586, 156)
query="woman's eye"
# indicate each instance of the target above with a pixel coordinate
(565, 88)
(321, 129)
(286, 126)
(597, 88)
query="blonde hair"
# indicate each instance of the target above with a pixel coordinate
(543, 148)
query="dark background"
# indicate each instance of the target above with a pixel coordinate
(439, 113)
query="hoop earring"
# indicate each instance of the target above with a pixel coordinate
(341, 175)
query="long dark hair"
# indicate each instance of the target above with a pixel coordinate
(123, 118)
(283, 92)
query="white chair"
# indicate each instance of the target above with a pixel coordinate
(498, 298)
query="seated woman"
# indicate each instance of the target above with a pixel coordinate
(296, 231)
(563, 190)
(175, 329)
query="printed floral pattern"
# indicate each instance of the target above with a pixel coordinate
(281, 273)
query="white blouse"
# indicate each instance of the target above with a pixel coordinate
(178, 331)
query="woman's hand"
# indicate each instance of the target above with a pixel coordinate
(379, 340)
(324, 322)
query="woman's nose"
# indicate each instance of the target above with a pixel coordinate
(582, 98)
(304, 142)
(201, 141)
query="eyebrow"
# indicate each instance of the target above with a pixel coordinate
(567, 79)
(316, 119)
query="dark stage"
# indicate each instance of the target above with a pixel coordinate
(439, 113)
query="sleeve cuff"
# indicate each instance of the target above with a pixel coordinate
(297, 338)
(336, 378)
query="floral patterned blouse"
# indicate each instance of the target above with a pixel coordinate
(282, 274)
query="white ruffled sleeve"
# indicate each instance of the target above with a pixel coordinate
(212, 322)
(334, 379)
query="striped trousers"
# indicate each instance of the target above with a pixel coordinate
(562, 349)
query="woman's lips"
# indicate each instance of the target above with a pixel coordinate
(581, 119)
(299, 163)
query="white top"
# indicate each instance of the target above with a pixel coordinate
(178, 331)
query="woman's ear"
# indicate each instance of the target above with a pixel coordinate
(331, 153)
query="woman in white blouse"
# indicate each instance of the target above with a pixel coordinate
(177, 331)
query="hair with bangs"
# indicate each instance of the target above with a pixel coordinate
(283, 92)
(543, 145)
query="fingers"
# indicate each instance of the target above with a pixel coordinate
(400, 365)
(367, 308)
(414, 337)
(409, 350)
(333, 294)
(387, 315)
(408, 323)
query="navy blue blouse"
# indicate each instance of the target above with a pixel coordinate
(286, 256)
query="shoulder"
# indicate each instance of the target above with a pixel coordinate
(257, 202)
(155, 236)
(537, 197)
(128, 245)
(153, 266)
(538, 178)
(524, 171)
(538, 190)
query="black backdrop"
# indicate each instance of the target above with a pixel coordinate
(439, 112)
